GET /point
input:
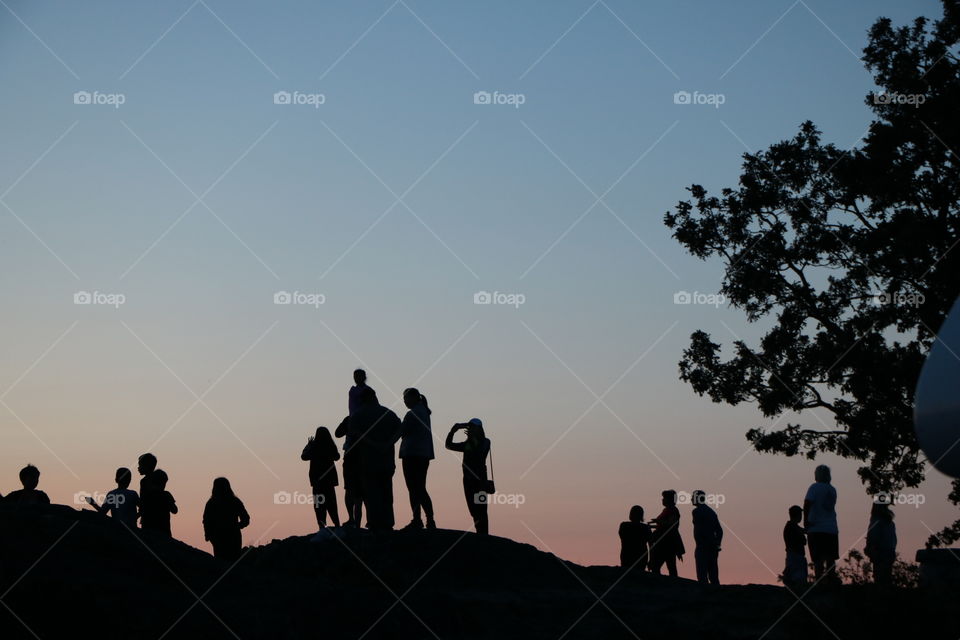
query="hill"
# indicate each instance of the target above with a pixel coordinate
(65, 573)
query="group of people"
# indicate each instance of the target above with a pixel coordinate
(657, 543)
(652, 545)
(371, 432)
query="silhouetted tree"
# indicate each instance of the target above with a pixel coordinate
(849, 256)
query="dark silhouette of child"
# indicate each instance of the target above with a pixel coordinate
(146, 466)
(322, 453)
(223, 518)
(354, 396)
(121, 503)
(635, 537)
(416, 452)
(156, 504)
(881, 545)
(795, 541)
(29, 478)
(667, 545)
(475, 449)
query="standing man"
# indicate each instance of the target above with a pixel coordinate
(374, 430)
(820, 523)
(707, 534)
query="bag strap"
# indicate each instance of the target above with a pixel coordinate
(490, 453)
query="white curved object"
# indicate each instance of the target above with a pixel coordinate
(936, 409)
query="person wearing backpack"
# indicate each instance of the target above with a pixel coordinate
(476, 486)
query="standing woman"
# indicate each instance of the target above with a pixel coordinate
(475, 485)
(667, 545)
(322, 452)
(223, 518)
(416, 452)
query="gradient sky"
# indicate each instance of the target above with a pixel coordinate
(398, 199)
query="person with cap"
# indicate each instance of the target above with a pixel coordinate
(476, 487)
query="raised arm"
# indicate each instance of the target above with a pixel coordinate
(450, 444)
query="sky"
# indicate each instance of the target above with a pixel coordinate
(174, 171)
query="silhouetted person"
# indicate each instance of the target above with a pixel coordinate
(667, 545)
(795, 541)
(416, 452)
(635, 537)
(707, 535)
(146, 465)
(29, 478)
(354, 396)
(820, 523)
(882, 543)
(376, 430)
(223, 518)
(476, 487)
(352, 475)
(121, 503)
(322, 453)
(156, 504)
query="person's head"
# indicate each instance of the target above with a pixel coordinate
(412, 397)
(881, 511)
(29, 477)
(698, 497)
(475, 429)
(359, 377)
(123, 477)
(147, 463)
(822, 473)
(368, 396)
(160, 479)
(320, 435)
(669, 498)
(636, 513)
(796, 513)
(222, 488)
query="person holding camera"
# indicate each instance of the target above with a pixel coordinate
(476, 486)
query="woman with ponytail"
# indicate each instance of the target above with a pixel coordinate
(416, 452)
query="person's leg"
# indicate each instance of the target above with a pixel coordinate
(671, 561)
(471, 494)
(330, 504)
(410, 478)
(713, 568)
(319, 509)
(813, 541)
(425, 500)
(386, 493)
(699, 557)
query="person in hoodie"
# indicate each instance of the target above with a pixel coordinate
(223, 518)
(322, 453)
(416, 452)
(881, 545)
(707, 534)
(374, 430)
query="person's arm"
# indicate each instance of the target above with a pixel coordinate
(307, 453)
(244, 516)
(44, 498)
(96, 507)
(342, 427)
(173, 503)
(807, 505)
(719, 529)
(206, 522)
(450, 444)
(334, 451)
